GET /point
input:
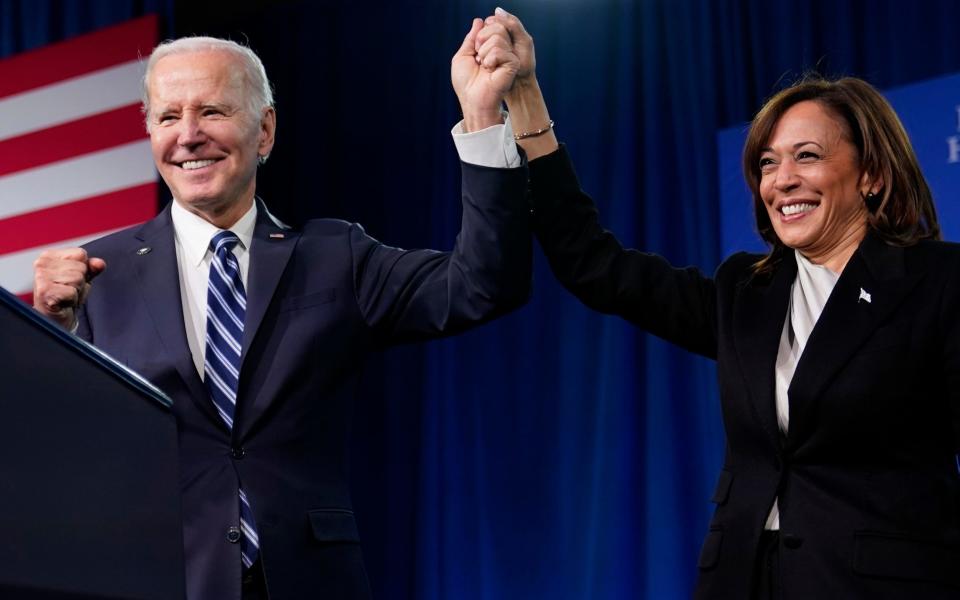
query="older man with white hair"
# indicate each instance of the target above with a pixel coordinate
(258, 331)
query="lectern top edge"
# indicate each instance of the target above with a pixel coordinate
(13, 305)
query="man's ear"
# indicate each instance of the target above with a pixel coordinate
(268, 129)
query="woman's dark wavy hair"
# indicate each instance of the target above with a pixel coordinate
(902, 213)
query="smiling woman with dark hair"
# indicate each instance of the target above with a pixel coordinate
(838, 351)
(901, 211)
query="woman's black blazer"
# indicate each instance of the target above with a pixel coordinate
(867, 479)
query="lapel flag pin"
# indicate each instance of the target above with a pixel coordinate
(864, 296)
(144, 250)
(277, 236)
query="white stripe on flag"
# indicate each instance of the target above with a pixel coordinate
(16, 268)
(68, 180)
(71, 99)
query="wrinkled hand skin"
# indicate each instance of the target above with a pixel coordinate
(505, 25)
(61, 282)
(482, 73)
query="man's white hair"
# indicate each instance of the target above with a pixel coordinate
(258, 93)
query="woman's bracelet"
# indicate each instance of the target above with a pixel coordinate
(534, 133)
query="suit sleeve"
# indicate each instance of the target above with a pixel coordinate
(949, 321)
(678, 305)
(411, 295)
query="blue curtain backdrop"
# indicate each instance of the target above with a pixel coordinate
(555, 453)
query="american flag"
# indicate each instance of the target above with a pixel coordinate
(75, 159)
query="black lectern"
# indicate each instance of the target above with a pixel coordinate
(89, 490)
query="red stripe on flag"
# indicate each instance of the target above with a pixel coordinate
(77, 56)
(75, 219)
(27, 297)
(97, 132)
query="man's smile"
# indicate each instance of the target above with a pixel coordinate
(192, 165)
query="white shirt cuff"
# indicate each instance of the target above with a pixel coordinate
(491, 147)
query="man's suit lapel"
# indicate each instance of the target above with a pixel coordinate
(873, 283)
(760, 312)
(155, 264)
(270, 251)
(158, 278)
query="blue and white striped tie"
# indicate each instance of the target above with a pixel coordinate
(226, 307)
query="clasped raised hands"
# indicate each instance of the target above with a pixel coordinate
(485, 68)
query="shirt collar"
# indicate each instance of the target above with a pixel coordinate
(821, 274)
(194, 233)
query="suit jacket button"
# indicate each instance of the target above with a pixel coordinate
(792, 541)
(237, 452)
(233, 535)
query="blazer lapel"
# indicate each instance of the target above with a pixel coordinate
(872, 285)
(759, 315)
(269, 253)
(159, 281)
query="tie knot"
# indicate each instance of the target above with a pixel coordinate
(225, 240)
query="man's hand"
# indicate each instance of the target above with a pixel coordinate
(61, 282)
(482, 73)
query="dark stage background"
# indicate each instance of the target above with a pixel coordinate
(556, 453)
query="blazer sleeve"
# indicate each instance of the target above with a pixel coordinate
(949, 328)
(678, 305)
(411, 295)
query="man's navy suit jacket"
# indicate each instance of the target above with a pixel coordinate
(319, 300)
